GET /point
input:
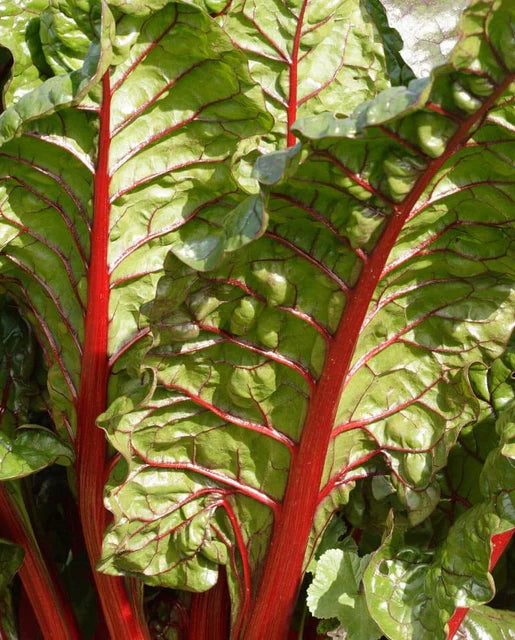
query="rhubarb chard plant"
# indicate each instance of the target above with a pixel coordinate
(256, 304)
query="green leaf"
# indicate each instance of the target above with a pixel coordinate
(66, 88)
(336, 593)
(171, 141)
(398, 70)
(31, 449)
(19, 34)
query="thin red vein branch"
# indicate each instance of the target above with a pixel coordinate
(240, 487)
(322, 219)
(128, 345)
(60, 211)
(365, 422)
(91, 447)
(396, 337)
(354, 176)
(307, 256)
(272, 608)
(53, 348)
(53, 249)
(338, 478)
(144, 54)
(55, 299)
(266, 353)
(56, 178)
(291, 310)
(270, 432)
(294, 64)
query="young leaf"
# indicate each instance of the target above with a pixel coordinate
(333, 348)
(336, 593)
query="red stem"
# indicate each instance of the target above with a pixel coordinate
(273, 606)
(124, 622)
(292, 98)
(54, 613)
(499, 543)
(210, 612)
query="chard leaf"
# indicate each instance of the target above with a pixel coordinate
(64, 89)
(336, 593)
(333, 348)
(169, 163)
(115, 160)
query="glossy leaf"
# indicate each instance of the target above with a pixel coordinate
(398, 70)
(19, 34)
(379, 276)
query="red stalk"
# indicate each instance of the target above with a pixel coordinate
(283, 570)
(54, 613)
(499, 543)
(210, 612)
(292, 98)
(124, 622)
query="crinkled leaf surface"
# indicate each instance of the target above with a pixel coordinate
(308, 55)
(19, 34)
(336, 592)
(383, 273)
